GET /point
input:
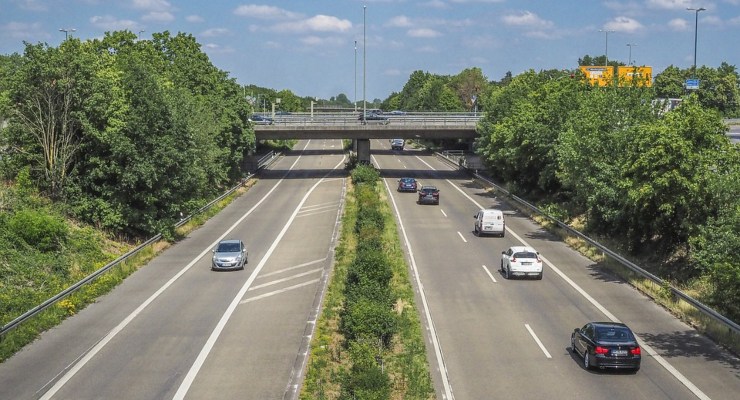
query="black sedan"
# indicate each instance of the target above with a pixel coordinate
(407, 185)
(606, 345)
(429, 194)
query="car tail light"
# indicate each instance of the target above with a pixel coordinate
(636, 351)
(600, 350)
(513, 259)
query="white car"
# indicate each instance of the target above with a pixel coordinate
(521, 261)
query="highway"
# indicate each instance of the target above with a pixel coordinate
(495, 338)
(175, 329)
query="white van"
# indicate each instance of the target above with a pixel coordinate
(489, 221)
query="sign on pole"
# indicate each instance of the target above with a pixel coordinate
(692, 84)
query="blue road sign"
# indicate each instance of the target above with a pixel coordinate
(692, 84)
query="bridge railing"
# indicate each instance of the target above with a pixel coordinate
(416, 120)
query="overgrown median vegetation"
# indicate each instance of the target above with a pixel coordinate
(368, 343)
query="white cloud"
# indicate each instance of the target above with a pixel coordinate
(392, 72)
(158, 16)
(152, 5)
(265, 12)
(434, 4)
(423, 33)
(623, 24)
(669, 4)
(22, 30)
(678, 24)
(213, 48)
(194, 18)
(318, 23)
(400, 21)
(214, 32)
(33, 5)
(527, 19)
(321, 41)
(110, 23)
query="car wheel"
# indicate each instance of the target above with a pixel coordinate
(539, 277)
(586, 361)
(503, 233)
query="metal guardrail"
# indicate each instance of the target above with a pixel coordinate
(66, 292)
(703, 308)
(412, 120)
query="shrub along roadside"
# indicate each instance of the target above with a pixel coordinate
(368, 342)
(30, 276)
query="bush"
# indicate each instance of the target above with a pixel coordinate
(37, 229)
(368, 320)
(365, 174)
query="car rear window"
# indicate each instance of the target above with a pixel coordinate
(228, 247)
(613, 333)
(525, 254)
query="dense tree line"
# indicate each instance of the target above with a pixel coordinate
(127, 133)
(664, 184)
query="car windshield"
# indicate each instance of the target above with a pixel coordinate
(228, 248)
(525, 254)
(612, 333)
(428, 190)
(407, 180)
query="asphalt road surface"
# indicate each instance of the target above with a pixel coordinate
(492, 338)
(175, 329)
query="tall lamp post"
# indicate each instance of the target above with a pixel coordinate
(606, 44)
(696, 30)
(364, 62)
(355, 101)
(67, 32)
(629, 60)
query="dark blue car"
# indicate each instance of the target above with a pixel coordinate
(407, 185)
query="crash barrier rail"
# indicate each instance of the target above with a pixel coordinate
(267, 159)
(418, 119)
(732, 327)
(66, 292)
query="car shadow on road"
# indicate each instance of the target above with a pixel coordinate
(689, 343)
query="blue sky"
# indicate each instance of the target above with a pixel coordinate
(308, 46)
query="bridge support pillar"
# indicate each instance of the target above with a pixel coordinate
(362, 147)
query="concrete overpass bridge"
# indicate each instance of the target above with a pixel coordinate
(348, 126)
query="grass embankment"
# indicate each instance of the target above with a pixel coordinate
(42, 254)
(368, 342)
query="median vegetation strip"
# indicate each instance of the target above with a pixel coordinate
(368, 342)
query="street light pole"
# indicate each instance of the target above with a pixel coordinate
(138, 35)
(629, 62)
(606, 44)
(364, 62)
(66, 32)
(355, 101)
(696, 30)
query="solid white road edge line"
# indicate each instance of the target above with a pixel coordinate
(665, 364)
(200, 360)
(427, 314)
(99, 346)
